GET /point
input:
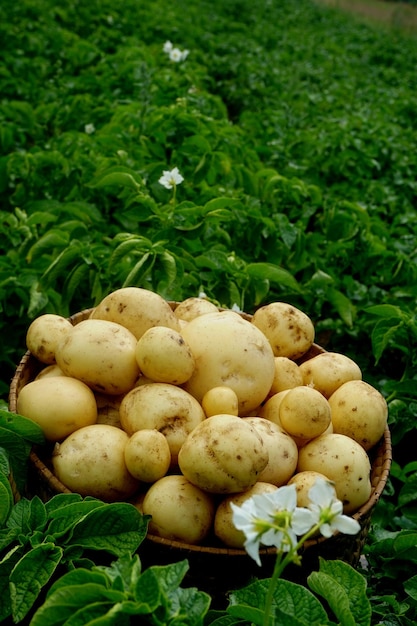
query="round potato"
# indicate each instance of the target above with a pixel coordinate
(164, 356)
(50, 370)
(359, 411)
(289, 330)
(220, 400)
(44, 334)
(229, 351)
(190, 308)
(180, 511)
(160, 406)
(303, 482)
(304, 413)
(287, 375)
(270, 409)
(328, 371)
(343, 461)
(224, 527)
(59, 404)
(282, 451)
(137, 309)
(91, 462)
(101, 354)
(223, 454)
(108, 409)
(147, 455)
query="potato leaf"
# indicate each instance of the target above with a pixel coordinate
(6, 498)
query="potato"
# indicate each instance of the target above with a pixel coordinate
(282, 451)
(270, 410)
(190, 308)
(137, 309)
(50, 370)
(180, 511)
(220, 400)
(147, 455)
(289, 330)
(223, 454)
(224, 528)
(164, 356)
(359, 411)
(230, 351)
(327, 371)
(101, 354)
(304, 413)
(108, 407)
(287, 375)
(303, 482)
(343, 461)
(167, 408)
(59, 404)
(91, 462)
(43, 335)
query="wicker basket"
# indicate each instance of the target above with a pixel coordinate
(213, 567)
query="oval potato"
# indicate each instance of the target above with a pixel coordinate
(328, 371)
(220, 400)
(147, 455)
(59, 404)
(44, 334)
(304, 413)
(164, 356)
(190, 308)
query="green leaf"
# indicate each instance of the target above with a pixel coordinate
(385, 310)
(62, 519)
(6, 498)
(30, 574)
(274, 274)
(343, 306)
(344, 589)
(383, 334)
(23, 426)
(146, 591)
(116, 528)
(117, 175)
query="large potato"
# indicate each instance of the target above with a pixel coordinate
(224, 527)
(229, 351)
(359, 411)
(137, 309)
(289, 330)
(328, 370)
(91, 462)
(343, 461)
(180, 511)
(223, 454)
(101, 354)
(164, 356)
(59, 404)
(282, 451)
(160, 406)
(44, 334)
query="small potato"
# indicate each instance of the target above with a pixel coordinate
(270, 410)
(287, 375)
(229, 351)
(50, 370)
(224, 527)
(147, 455)
(164, 356)
(220, 400)
(59, 404)
(163, 407)
(304, 413)
(190, 308)
(289, 330)
(101, 354)
(303, 482)
(108, 409)
(328, 370)
(282, 451)
(136, 309)
(223, 454)
(344, 462)
(43, 335)
(91, 462)
(359, 411)
(180, 511)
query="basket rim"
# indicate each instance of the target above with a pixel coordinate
(382, 452)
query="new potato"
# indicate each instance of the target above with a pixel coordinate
(147, 455)
(229, 351)
(101, 354)
(180, 510)
(220, 400)
(44, 334)
(190, 308)
(59, 404)
(328, 371)
(164, 356)
(223, 454)
(343, 461)
(304, 413)
(91, 462)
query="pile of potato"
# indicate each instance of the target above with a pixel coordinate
(183, 409)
